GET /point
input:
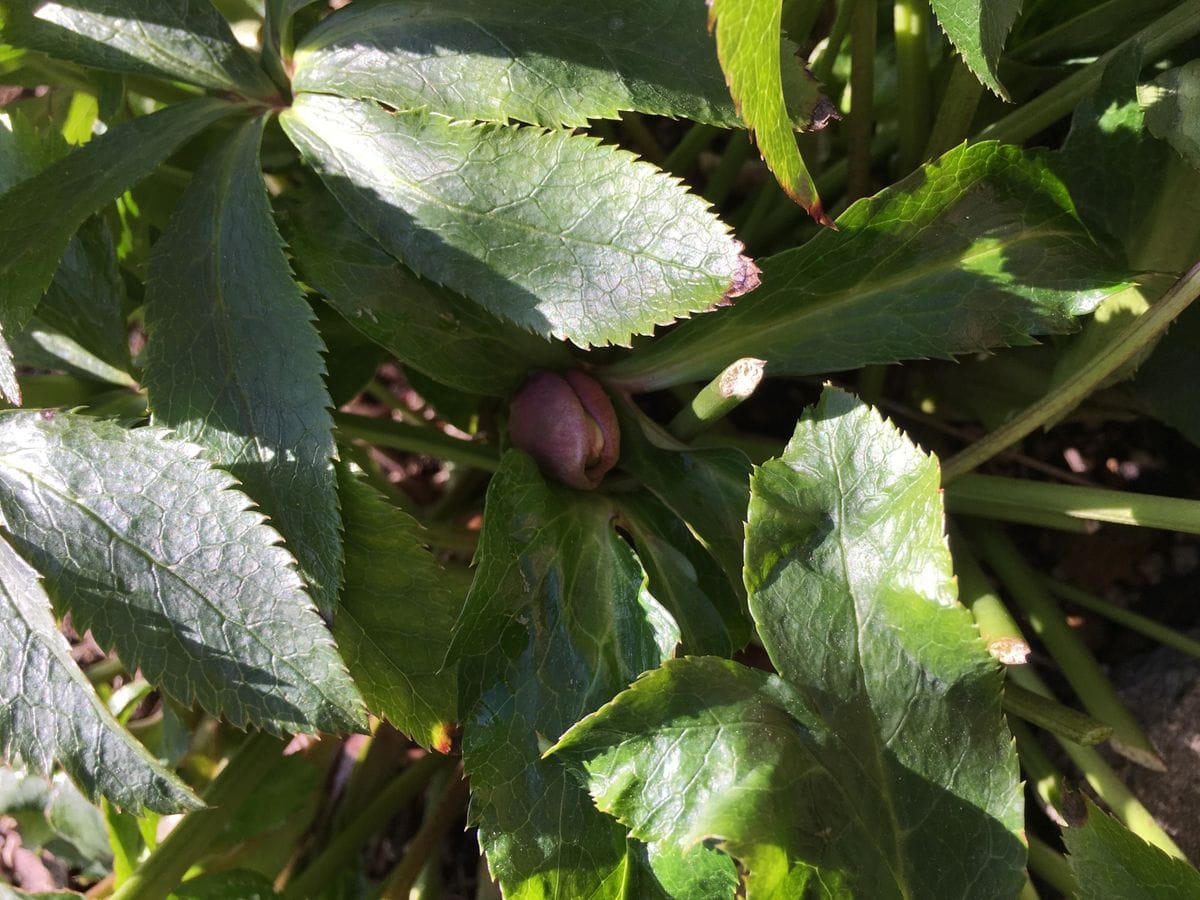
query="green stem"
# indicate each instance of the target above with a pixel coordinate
(1071, 392)
(1094, 27)
(450, 806)
(1041, 773)
(698, 139)
(717, 398)
(861, 121)
(354, 834)
(1051, 866)
(1172, 29)
(999, 630)
(997, 497)
(723, 178)
(1135, 622)
(1074, 659)
(1050, 715)
(822, 68)
(956, 111)
(163, 869)
(910, 21)
(416, 439)
(1104, 780)
(641, 138)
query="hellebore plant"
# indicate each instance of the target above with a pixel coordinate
(591, 556)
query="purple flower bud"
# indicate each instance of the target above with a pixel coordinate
(567, 423)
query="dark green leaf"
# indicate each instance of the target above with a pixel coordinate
(708, 488)
(39, 215)
(748, 44)
(240, 883)
(553, 231)
(556, 622)
(1172, 102)
(50, 714)
(155, 552)
(548, 62)
(428, 327)
(394, 617)
(979, 249)
(1110, 861)
(978, 30)
(1112, 166)
(684, 577)
(183, 40)
(878, 764)
(233, 361)
(1174, 363)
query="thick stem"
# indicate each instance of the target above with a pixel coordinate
(416, 439)
(910, 20)
(861, 121)
(822, 68)
(163, 869)
(1051, 866)
(997, 627)
(717, 398)
(1132, 339)
(1076, 662)
(437, 823)
(956, 111)
(1052, 716)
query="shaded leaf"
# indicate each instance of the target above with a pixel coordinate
(707, 487)
(495, 213)
(663, 871)
(233, 362)
(39, 215)
(50, 713)
(1108, 861)
(684, 577)
(556, 622)
(150, 548)
(183, 40)
(979, 249)
(1173, 363)
(241, 883)
(434, 330)
(748, 45)
(547, 62)
(394, 617)
(978, 30)
(877, 763)
(1172, 108)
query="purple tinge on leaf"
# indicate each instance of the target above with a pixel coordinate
(567, 423)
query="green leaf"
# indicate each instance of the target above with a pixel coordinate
(553, 231)
(877, 764)
(233, 362)
(39, 215)
(241, 883)
(684, 577)
(1173, 363)
(394, 617)
(547, 62)
(663, 871)
(708, 487)
(50, 714)
(978, 30)
(556, 622)
(1108, 861)
(434, 330)
(979, 249)
(150, 548)
(183, 40)
(1172, 108)
(748, 45)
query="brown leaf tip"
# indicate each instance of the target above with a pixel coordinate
(823, 113)
(745, 279)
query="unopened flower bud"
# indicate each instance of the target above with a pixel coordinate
(567, 423)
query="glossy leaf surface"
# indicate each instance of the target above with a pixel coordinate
(435, 330)
(978, 30)
(979, 249)
(155, 552)
(556, 622)
(394, 616)
(547, 62)
(183, 40)
(233, 362)
(564, 236)
(39, 215)
(1108, 860)
(747, 33)
(877, 761)
(50, 713)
